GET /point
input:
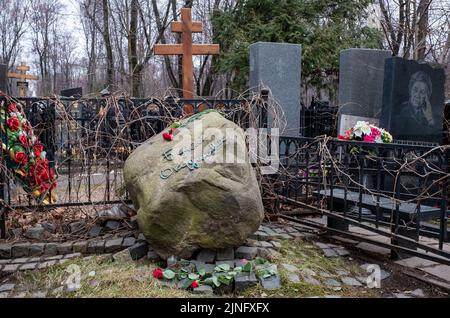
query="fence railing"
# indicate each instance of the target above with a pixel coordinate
(402, 187)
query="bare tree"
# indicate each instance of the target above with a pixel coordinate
(12, 29)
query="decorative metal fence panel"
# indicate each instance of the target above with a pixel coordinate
(401, 187)
(88, 140)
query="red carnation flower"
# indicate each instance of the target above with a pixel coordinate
(21, 158)
(38, 148)
(13, 123)
(158, 273)
(23, 140)
(194, 284)
(168, 136)
(12, 108)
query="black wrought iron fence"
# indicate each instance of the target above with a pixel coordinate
(401, 188)
(318, 119)
(88, 140)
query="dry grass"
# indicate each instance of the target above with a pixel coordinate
(103, 278)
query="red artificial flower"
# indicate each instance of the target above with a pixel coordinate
(168, 136)
(23, 140)
(369, 138)
(375, 132)
(38, 148)
(342, 137)
(12, 108)
(158, 273)
(21, 157)
(13, 123)
(194, 284)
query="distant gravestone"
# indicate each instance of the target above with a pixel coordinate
(76, 92)
(3, 78)
(361, 75)
(413, 100)
(277, 66)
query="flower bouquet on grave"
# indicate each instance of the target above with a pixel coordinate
(25, 155)
(364, 131)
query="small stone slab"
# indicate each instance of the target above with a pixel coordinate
(113, 245)
(325, 275)
(330, 252)
(293, 278)
(332, 283)
(95, 231)
(52, 258)
(342, 272)
(283, 236)
(96, 247)
(22, 260)
(76, 227)
(51, 249)
(265, 244)
(112, 225)
(5, 250)
(350, 281)
(271, 283)
(342, 251)
(46, 264)
(138, 250)
(80, 247)
(246, 252)
(35, 233)
(441, 271)
(6, 287)
(20, 250)
(206, 256)
(290, 268)
(65, 248)
(225, 254)
(10, 268)
(36, 249)
(28, 266)
(415, 262)
(128, 241)
(276, 245)
(245, 280)
(311, 280)
(373, 248)
(203, 290)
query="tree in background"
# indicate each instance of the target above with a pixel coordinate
(323, 28)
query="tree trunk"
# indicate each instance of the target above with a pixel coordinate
(108, 45)
(132, 49)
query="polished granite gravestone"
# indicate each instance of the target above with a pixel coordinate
(3, 78)
(413, 100)
(277, 66)
(361, 75)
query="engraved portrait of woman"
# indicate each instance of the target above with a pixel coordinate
(416, 114)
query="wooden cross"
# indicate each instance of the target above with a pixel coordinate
(186, 27)
(22, 76)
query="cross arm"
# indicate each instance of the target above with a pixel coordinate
(177, 26)
(23, 76)
(177, 49)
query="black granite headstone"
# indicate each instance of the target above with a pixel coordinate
(361, 75)
(3, 78)
(72, 92)
(413, 100)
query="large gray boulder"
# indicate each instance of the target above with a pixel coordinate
(183, 206)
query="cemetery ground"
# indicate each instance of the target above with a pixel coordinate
(308, 264)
